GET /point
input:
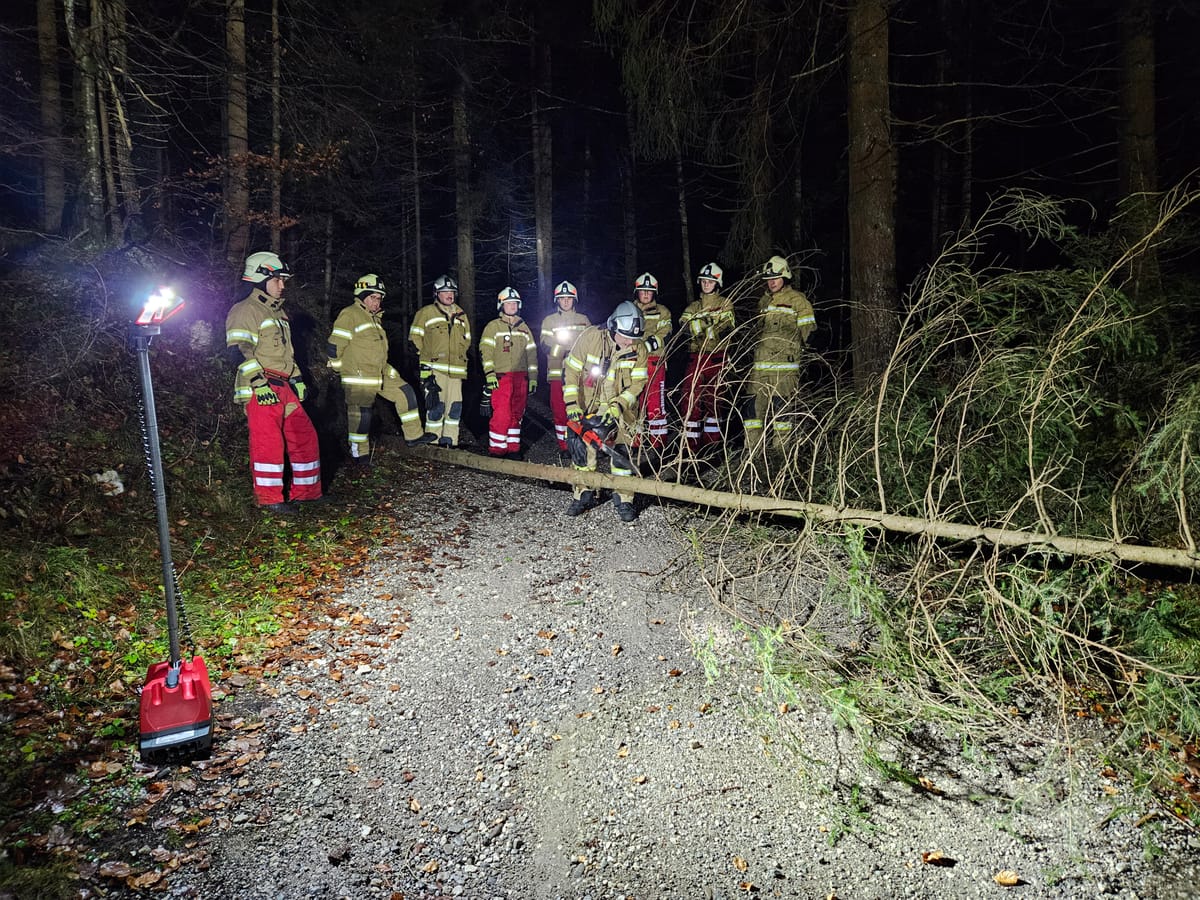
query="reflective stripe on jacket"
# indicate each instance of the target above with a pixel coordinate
(442, 336)
(260, 329)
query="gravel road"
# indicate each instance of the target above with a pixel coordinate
(509, 706)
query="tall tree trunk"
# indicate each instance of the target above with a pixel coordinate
(463, 206)
(628, 202)
(237, 187)
(116, 73)
(54, 178)
(685, 240)
(91, 189)
(756, 166)
(419, 291)
(585, 220)
(872, 193)
(1137, 164)
(276, 128)
(543, 173)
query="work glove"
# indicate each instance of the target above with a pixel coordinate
(427, 377)
(492, 381)
(485, 404)
(611, 414)
(265, 395)
(574, 413)
(532, 385)
(651, 343)
(300, 388)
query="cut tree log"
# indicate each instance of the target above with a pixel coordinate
(775, 506)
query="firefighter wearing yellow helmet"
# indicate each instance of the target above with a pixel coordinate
(560, 330)
(508, 353)
(358, 352)
(786, 320)
(658, 331)
(707, 323)
(441, 335)
(259, 335)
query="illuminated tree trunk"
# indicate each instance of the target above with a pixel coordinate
(54, 179)
(276, 130)
(543, 169)
(688, 281)
(237, 186)
(463, 206)
(91, 191)
(872, 182)
(419, 293)
(629, 203)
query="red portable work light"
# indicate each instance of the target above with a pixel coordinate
(176, 703)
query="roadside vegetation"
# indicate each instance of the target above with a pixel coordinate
(1036, 400)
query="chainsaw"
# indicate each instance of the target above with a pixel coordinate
(598, 433)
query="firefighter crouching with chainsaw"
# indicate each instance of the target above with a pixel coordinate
(358, 352)
(441, 335)
(508, 354)
(268, 385)
(603, 378)
(560, 330)
(785, 319)
(658, 331)
(707, 323)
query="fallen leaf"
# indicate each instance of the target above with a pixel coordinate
(938, 858)
(616, 649)
(545, 651)
(1007, 878)
(675, 673)
(928, 785)
(430, 867)
(622, 751)
(547, 634)
(640, 779)
(115, 869)
(740, 864)
(414, 804)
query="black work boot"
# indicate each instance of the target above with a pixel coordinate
(625, 511)
(580, 504)
(427, 438)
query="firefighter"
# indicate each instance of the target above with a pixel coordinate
(358, 351)
(603, 377)
(657, 330)
(786, 320)
(268, 385)
(707, 323)
(441, 335)
(560, 329)
(508, 353)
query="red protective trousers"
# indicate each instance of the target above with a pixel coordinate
(654, 403)
(701, 410)
(558, 411)
(508, 409)
(274, 428)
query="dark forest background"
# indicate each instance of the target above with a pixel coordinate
(415, 138)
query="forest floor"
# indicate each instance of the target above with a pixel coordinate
(504, 702)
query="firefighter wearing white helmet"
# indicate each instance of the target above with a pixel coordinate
(707, 323)
(508, 352)
(268, 384)
(786, 320)
(560, 330)
(358, 352)
(658, 331)
(603, 378)
(441, 335)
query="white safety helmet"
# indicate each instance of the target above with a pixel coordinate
(627, 319)
(713, 272)
(566, 289)
(507, 295)
(445, 283)
(646, 282)
(369, 284)
(776, 267)
(263, 266)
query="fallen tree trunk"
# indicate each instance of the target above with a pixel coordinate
(775, 506)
